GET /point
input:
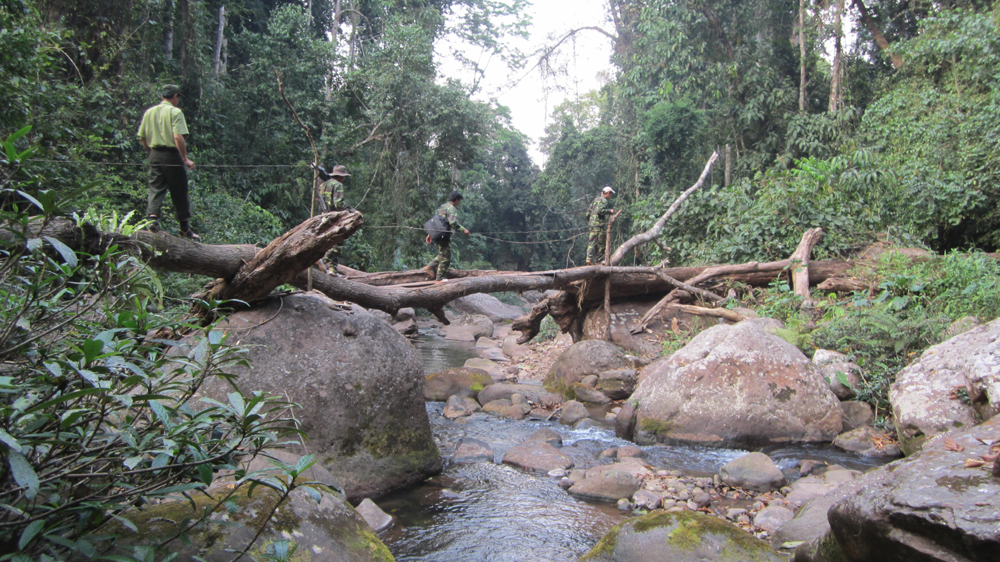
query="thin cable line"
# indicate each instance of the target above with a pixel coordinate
(86, 163)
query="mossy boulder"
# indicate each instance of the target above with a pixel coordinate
(326, 530)
(358, 383)
(679, 537)
(591, 357)
(464, 381)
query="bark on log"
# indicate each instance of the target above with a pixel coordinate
(800, 262)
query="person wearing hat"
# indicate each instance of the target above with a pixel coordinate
(332, 194)
(162, 135)
(597, 217)
(442, 263)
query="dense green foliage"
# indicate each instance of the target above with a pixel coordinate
(97, 411)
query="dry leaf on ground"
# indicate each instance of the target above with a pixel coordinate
(951, 445)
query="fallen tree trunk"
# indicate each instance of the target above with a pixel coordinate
(248, 273)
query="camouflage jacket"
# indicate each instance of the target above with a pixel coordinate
(599, 211)
(332, 192)
(450, 214)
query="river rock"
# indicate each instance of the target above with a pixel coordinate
(628, 451)
(928, 506)
(485, 342)
(682, 536)
(753, 471)
(496, 407)
(810, 522)
(587, 394)
(546, 435)
(358, 384)
(644, 499)
(468, 328)
(538, 456)
(867, 441)
(329, 529)
(617, 384)
(735, 385)
(486, 305)
(772, 518)
(464, 381)
(856, 414)
(923, 403)
(494, 354)
(849, 372)
(472, 450)
(377, 519)
(513, 349)
(590, 357)
(536, 394)
(460, 406)
(610, 482)
(496, 371)
(404, 314)
(572, 412)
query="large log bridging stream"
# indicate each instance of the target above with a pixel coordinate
(248, 273)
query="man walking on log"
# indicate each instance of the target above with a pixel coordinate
(443, 260)
(162, 135)
(597, 218)
(332, 199)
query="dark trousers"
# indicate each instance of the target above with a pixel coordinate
(167, 172)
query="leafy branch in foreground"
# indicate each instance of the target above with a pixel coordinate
(97, 416)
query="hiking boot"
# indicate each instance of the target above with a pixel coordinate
(190, 234)
(154, 226)
(429, 270)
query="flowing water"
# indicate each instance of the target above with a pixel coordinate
(490, 512)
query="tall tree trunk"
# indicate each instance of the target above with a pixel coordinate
(802, 56)
(185, 33)
(883, 44)
(168, 37)
(729, 165)
(217, 65)
(836, 71)
(336, 23)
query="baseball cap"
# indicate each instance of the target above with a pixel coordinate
(169, 90)
(607, 189)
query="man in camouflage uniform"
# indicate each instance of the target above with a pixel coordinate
(443, 260)
(597, 218)
(332, 199)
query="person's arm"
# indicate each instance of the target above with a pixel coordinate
(453, 222)
(145, 144)
(182, 148)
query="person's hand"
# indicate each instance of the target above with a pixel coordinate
(428, 238)
(466, 231)
(189, 163)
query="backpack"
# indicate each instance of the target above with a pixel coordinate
(437, 227)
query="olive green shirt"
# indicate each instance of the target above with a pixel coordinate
(333, 195)
(160, 123)
(450, 214)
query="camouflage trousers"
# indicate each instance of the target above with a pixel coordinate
(443, 260)
(595, 244)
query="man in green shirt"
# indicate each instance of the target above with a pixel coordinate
(443, 260)
(332, 199)
(162, 135)
(597, 218)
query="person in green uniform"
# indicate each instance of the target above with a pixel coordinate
(442, 262)
(162, 135)
(332, 195)
(597, 218)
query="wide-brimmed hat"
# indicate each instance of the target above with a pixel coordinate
(340, 170)
(607, 189)
(169, 90)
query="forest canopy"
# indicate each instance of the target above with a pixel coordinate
(887, 133)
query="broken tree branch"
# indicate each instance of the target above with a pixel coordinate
(653, 232)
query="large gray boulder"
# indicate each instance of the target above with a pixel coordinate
(924, 403)
(735, 385)
(487, 305)
(328, 530)
(358, 384)
(591, 357)
(929, 506)
(679, 537)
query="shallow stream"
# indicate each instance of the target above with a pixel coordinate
(490, 512)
